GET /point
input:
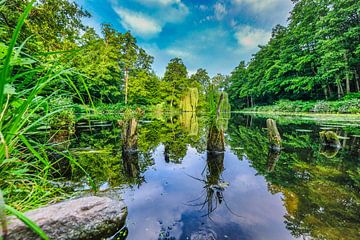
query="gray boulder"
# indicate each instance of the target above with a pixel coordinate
(83, 218)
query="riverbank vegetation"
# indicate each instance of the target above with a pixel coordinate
(315, 57)
(53, 69)
(345, 106)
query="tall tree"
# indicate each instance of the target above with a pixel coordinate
(128, 52)
(175, 81)
(201, 80)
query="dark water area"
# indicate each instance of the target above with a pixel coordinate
(190, 177)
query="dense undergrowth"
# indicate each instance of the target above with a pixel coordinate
(346, 106)
(30, 103)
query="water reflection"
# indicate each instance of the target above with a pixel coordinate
(130, 152)
(214, 185)
(302, 192)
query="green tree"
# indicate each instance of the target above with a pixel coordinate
(175, 81)
(201, 80)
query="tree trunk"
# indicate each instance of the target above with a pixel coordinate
(340, 90)
(325, 93)
(126, 85)
(347, 83)
(357, 81)
(221, 99)
(330, 91)
(347, 77)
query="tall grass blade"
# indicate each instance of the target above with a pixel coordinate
(7, 67)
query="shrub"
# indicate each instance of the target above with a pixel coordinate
(321, 107)
(350, 106)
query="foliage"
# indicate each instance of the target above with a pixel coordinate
(320, 194)
(341, 106)
(315, 57)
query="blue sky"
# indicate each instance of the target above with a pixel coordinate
(211, 34)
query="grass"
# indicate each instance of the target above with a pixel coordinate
(25, 166)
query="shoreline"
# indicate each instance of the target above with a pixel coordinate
(302, 114)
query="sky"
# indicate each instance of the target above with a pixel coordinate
(211, 34)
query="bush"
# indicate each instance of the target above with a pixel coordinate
(350, 106)
(65, 117)
(344, 106)
(322, 107)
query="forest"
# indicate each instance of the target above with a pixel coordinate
(75, 103)
(315, 57)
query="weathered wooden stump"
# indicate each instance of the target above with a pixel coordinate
(130, 135)
(330, 138)
(274, 135)
(216, 140)
(83, 218)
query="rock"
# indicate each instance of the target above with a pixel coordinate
(83, 218)
(330, 138)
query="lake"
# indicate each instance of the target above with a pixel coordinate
(179, 182)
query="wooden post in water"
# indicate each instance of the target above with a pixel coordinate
(274, 135)
(129, 149)
(330, 138)
(330, 144)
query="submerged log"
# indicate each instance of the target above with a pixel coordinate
(274, 135)
(83, 218)
(330, 138)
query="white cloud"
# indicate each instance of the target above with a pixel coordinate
(250, 37)
(259, 5)
(138, 23)
(219, 10)
(149, 19)
(175, 52)
(159, 2)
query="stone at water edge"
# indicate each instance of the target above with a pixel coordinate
(83, 218)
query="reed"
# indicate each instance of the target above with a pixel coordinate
(25, 167)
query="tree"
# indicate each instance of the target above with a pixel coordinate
(128, 53)
(175, 81)
(201, 80)
(53, 24)
(316, 55)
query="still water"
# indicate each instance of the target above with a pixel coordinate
(190, 177)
